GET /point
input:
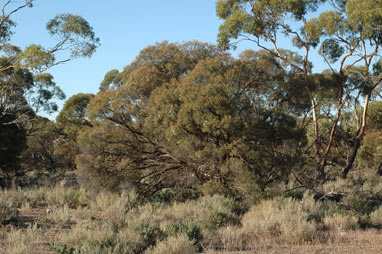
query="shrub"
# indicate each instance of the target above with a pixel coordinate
(16, 197)
(60, 196)
(376, 217)
(86, 237)
(192, 231)
(341, 222)
(7, 212)
(114, 207)
(24, 241)
(174, 245)
(285, 220)
(206, 212)
(149, 232)
(233, 238)
(73, 238)
(60, 216)
(129, 242)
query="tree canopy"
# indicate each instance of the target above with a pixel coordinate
(191, 118)
(26, 88)
(348, 33)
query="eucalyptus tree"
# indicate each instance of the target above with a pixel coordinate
(25, 86)
(74, 116)
(71, 34)
(120, 148)
(189, 115)
(348, 34)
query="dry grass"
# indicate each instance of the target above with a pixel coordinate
(341, 222)
(173, 245)
(376, 217)
(351, 242)
(119, 223)
(29, 240)
(282, 220)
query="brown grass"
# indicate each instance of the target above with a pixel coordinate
(351, 242)
(123, 225)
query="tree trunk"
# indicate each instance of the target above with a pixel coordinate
(353, 155)
(379, 170)
(357, 139)
(316, 127)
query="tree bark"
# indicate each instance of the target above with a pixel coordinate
(353, 155)
(379, 170)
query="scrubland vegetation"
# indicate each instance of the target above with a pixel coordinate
(189, 149)
(79, 221)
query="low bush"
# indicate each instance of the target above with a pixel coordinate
(24, 241)
(8, 212)
(173, 245)
(114, 207)
(376, 217)
(192, 231)
(284, 220)
(233, 238)
(60, 196)
(338, 222)
(85, 238)
(60, 216)
(129, 242)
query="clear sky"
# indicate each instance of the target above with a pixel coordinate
(124, 28)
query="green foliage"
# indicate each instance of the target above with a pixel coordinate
(112, 78)
(75, 31)
(40, 157)
(150, 234)
(26, 89)
(370, 154)
(192, 231)
(73, 116)
(364, 17)
(348, 32)
(260, 17)
(331, 50)
(7, 212)
(37, 58)
(121, 114)
(187, 110)
(374, 115)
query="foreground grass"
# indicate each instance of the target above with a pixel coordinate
(68, 220)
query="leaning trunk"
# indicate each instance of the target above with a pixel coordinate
(357, 139)
(353, 155)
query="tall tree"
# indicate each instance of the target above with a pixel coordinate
(119, 146)
(347, 34)
(72, 33)
(25, 87)
(189, 115)
(74, 116)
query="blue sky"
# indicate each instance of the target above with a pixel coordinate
(124, 28)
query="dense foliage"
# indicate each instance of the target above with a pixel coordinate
(188, 147)
(188, 119)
